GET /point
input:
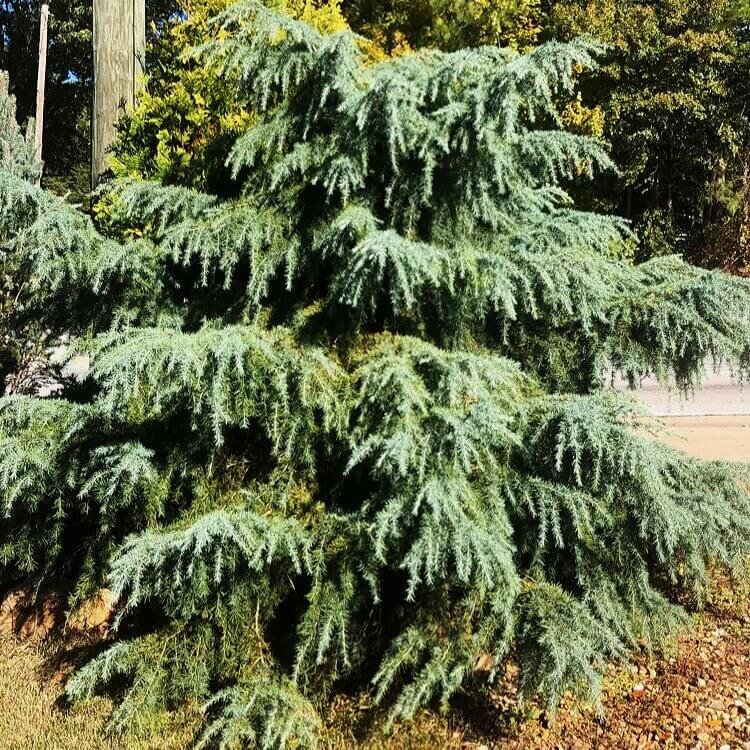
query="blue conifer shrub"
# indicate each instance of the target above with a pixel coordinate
(349, 427)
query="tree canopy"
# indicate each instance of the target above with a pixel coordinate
(674, 95)
(188, 117)
(671, 98)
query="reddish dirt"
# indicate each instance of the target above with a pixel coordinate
(693, 695)
(25, 613)
(697, 698)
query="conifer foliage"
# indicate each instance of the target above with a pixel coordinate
(17, 327)
(349, 426)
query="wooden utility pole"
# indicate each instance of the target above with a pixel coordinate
(119, 59)
(40, 81)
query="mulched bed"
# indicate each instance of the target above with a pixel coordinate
(698, 698)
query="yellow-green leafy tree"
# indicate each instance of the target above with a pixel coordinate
(188, 116)
(446, 24)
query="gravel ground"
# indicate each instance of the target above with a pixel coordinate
(697, 698)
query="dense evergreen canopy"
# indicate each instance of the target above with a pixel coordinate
(350, 425)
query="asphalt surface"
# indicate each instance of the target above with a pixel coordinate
(726, 438)
(712, 423)
(720, 395)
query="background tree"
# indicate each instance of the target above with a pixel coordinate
(68, 75)
(447, 25)
(671, 99)
(69, 82)
(674, 97)
(188, 117)
(346, 426)
(176, 103)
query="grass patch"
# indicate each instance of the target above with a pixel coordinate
(34, 717)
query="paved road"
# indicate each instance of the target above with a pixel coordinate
(719, 396)
(726, 438)
(712, 423)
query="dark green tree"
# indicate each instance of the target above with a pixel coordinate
(674, 94)
(68, 80)
(349, 426)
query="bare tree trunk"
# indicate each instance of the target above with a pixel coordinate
(119, 57)
(40, 81)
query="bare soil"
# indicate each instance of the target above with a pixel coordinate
(715, 437)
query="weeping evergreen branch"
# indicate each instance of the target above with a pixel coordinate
(355, 415)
